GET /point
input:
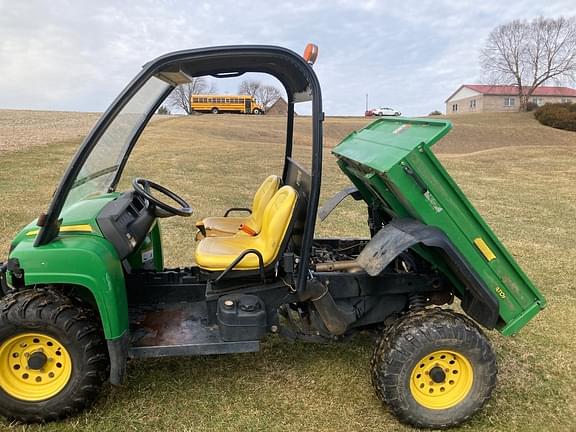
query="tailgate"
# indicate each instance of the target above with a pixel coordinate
(391, 162)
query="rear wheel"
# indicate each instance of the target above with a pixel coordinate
(214, 111)
(53, 359)
(434, 368)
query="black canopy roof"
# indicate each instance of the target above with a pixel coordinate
(289, 68)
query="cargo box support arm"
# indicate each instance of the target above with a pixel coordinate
(336, 199)
(401, 234)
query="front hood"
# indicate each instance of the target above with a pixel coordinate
(79, 218)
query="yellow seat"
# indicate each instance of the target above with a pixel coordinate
(217, 253)
(227, 226)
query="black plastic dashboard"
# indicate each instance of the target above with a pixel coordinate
(125, 222)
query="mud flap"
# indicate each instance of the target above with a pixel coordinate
(401, 234)
(118, 353)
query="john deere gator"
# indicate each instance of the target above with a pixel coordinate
(85, 289)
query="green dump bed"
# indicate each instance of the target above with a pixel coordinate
(390, 161)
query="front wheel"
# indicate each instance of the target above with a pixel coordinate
(53, 359)
(256, 111)
(434, 368)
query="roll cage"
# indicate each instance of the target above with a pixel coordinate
(292, 70)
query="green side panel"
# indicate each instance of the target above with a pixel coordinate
(156, 237)
(149, 255)
(392, 164)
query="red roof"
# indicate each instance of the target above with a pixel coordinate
(493, 89)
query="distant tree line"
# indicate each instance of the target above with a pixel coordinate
(180, 99)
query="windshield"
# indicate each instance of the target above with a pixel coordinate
(101, 166)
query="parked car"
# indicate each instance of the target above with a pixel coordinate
(385, 112)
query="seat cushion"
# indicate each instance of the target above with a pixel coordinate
(217, 253)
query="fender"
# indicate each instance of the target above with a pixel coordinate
(91, 262)
(401, 234)
(85, 260)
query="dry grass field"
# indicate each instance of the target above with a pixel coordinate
(20, 129)
(519, 174)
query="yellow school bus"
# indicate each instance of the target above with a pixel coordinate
(215, 104)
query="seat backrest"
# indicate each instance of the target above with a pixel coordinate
(276, 222)
(261, 199)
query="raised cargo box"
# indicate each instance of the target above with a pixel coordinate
(391, 163)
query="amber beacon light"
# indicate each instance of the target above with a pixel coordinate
(311, 53)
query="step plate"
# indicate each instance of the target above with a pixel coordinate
(179, 330)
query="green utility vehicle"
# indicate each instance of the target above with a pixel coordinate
(85, 288)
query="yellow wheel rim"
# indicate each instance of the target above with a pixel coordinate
(34, 367)
(441, 380)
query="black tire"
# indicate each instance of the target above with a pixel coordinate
(256, 111)
(78, 339)
(406, 346)
(3, 284)
(214, 111)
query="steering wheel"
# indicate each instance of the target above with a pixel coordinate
(142, 187)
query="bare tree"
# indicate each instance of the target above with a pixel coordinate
(265, 94)
(249, 87)
(181, 96)
(529, 54)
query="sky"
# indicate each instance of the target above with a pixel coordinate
(409, 55)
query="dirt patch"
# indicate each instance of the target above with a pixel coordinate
(20, 129)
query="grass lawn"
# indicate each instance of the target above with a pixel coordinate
(520, 175)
